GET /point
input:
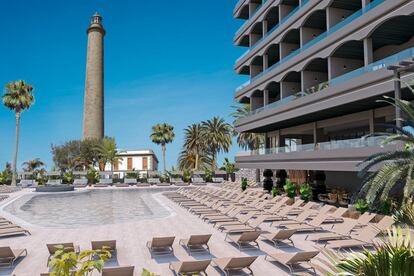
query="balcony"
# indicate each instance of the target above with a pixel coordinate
(343, 155)
(311, 43)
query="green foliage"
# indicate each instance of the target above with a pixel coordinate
(107, 152)
(395, 256)
(6, 175)
(405, 215)
(208, 175)
(93, 176)
(275, 192)
(65, 262)
(194, 154)
(162, 134)
(361, 205)
(244, 183)
(385, 207)
(41, 177)
(68, 177)
(33, 165)
(146, 272)
(229, 167)
(305, 191)
(133, 175)
(396, 166)
(165, 178)
(290, 189)
(187, 174)
(65, 156)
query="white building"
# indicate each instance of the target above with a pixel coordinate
(142, 161)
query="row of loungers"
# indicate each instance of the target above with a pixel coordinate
(241, 214)
(145, 184)
(9, 229)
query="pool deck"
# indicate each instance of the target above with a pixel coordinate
(131, 243)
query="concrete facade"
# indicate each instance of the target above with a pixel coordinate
(141, 161)
(316, 70)
(93, 116)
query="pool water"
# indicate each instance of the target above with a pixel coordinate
(87, 208)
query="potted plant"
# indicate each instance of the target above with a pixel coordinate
(230, 169)
(275, 192)
(361, 205)
(281, 176)
(267, 180)
(244, 184)
(290, 189)
(305, 191)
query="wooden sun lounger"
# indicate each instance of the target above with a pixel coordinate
(365, 237)
(253, 226)
(53, 247)
(118, 271)
(235, 264)
(109, 245)
(143, 184)
(121, 185)
(244, 239)
(162, 184)
(190, 267)
(196, 243)
(17, 230)
(292, 260)
(281, 235)
(337, 232)
(161, 246)
(8, 256)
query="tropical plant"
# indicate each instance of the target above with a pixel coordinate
(17, 97)
(108, 152)
(146, 272)
(305, 191)
(33, 165)
(187, 176)
(89, 155)
(290, 189)
(208, 175)
(248, 140)
(361, 205)
(218, 135)
(229, 167)
(41, 177)
(396, 166)
(275, 192)
(92, 175)
(244, 183)
(394, 256)
(6, 175)
(68, 177)
(162, 134)
(405, 215)
(186, 160)
(194, 143)
(66, 156)
(65, 262)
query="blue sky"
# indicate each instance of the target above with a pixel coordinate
(165, 61)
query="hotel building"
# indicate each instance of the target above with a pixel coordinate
(316, 70)
(142, 161)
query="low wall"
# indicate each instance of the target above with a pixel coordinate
(55, 189)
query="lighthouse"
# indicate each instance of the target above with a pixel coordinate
(93, 114)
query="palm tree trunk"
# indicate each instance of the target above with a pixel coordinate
(257, 175)
(196, 162)
(163, 157)
(16, 147)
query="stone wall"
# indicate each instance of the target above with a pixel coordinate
(250, 174)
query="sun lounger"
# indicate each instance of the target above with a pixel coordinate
(80, 183)
(218, 180)
(109, 245)
(130, 181)
(121, 185)
(118, 271)
(143, 184)
(27, 183)
(337, 232)
(53, 247)
(293, 260)
(104, 182)
(244, 239)
(190, 267)
(281, 235)
(161, 246)
(313, 225)
(253, 226)
(8, 256)
(54, 182)
(235, 264)
(365, 237)
(196, 243)
(17, 230)
(154, 181)
(198, 181)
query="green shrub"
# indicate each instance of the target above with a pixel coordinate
(244, 184)
(361, 205)
(68, 177)
(66, 263)
(187, 176)
(165, 178)
(275, 192)
(208, 175)
(305, 191)
(290, 189)
(132, 175)
(146, 272)
(93, 176)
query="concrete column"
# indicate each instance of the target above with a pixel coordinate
(368, 51)
(265, 61)
(265, 97)
(264, 23)
(365, 3)
(93, 116)
(318, 135)
(371, 118)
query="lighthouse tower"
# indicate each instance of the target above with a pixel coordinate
(93, 115)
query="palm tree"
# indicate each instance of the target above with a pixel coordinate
(194, 142)
(218, 135)
(396, 166)
(187, 159)
(108, 152)
(162, 134)
(32, 165)
(17, 97)
(247, 140)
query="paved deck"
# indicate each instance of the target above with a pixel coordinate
(131, 239)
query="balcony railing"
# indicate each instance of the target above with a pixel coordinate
(371, 141)
(284, 19)
(317, 39)
(391, 60)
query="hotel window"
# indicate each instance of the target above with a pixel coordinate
(116, 166)
(145, 163)
(129, 163)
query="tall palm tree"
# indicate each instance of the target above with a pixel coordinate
(187, 159)
(396, 166)
(32, 165)
(108, 152)
(162, 134)
(194, 142)
(218, 135)
(17, 97)
(247, 140)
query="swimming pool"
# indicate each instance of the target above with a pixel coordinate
(88, 208)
